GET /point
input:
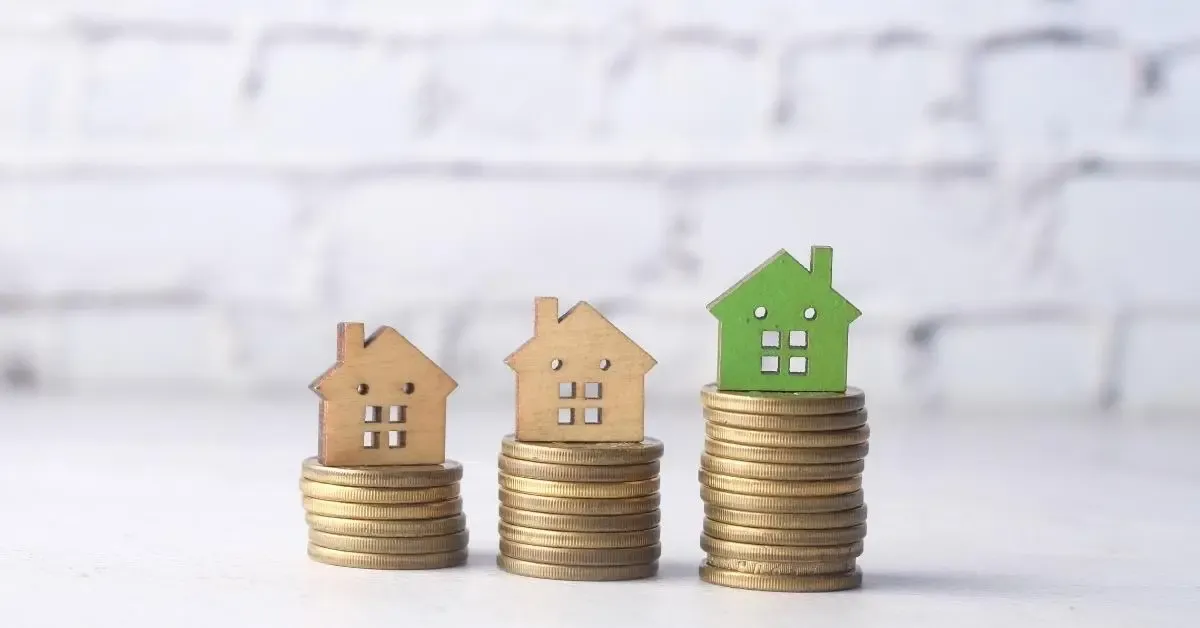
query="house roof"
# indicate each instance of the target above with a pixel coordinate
(583, 318)
(784, 259)
(387, 342)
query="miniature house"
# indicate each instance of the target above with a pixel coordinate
(579, 379)
(783, 328)
(382, 403)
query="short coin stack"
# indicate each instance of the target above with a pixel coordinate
(782, 488)
(387, 517)
(579, 511)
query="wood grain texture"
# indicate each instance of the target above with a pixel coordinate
(579, 379)
(385, 387)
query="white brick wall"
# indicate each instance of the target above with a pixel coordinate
(193, 193)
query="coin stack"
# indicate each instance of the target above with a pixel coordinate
(781, 480)
(387, 517)
(579, 511)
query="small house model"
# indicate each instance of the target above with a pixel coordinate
(382, 403)
(783, 328)
(579, 379)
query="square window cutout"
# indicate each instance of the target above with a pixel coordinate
(591, 415)
(566, 390)
(566, 416)
(798, 338)
(591, 390)
(398, 414)
(370, 440)
(397, 440)
(372, 414)
(770, 339)
(770, 364)
(798, 365)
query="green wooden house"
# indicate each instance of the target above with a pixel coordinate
(783, 328)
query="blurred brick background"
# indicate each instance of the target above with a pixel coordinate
(193, 193)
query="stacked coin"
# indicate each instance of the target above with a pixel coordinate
(393, 517)
(781, 480)
(579, 511)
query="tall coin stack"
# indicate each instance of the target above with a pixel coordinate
(781, 480)
(579, 511)
(385, 517)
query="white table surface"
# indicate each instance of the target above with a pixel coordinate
(187, 513)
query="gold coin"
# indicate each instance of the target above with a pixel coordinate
(769, 536)
(781, 583)
(578, 540)
(788, 423)
(398, 528)
(647, 451)
(432, 510)
(607, 557)
(580, 523)
(813, 568)
(760, 438)
(362, 495)
(575, 572)
(390, 545)
(767, 488)
(780, 553)
(781, 472)
(755, 503)
(577, 473)
(782, 455)
(580, 490)
(569, 506)
(783, 403)
(397, 476)
(386, 561)
(787, 520)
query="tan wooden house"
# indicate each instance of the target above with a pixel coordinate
(382, 403)
(579, 379)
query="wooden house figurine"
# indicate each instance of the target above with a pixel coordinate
(783, 328)
(382, 403)
(579, 379)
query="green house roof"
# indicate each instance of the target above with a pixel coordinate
(782, 273)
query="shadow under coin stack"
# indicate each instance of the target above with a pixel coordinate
(579, 511)
(386, 517)
(781, 482)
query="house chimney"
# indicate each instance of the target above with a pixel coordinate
(545, 313)
(350, 340)
(820, 265)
